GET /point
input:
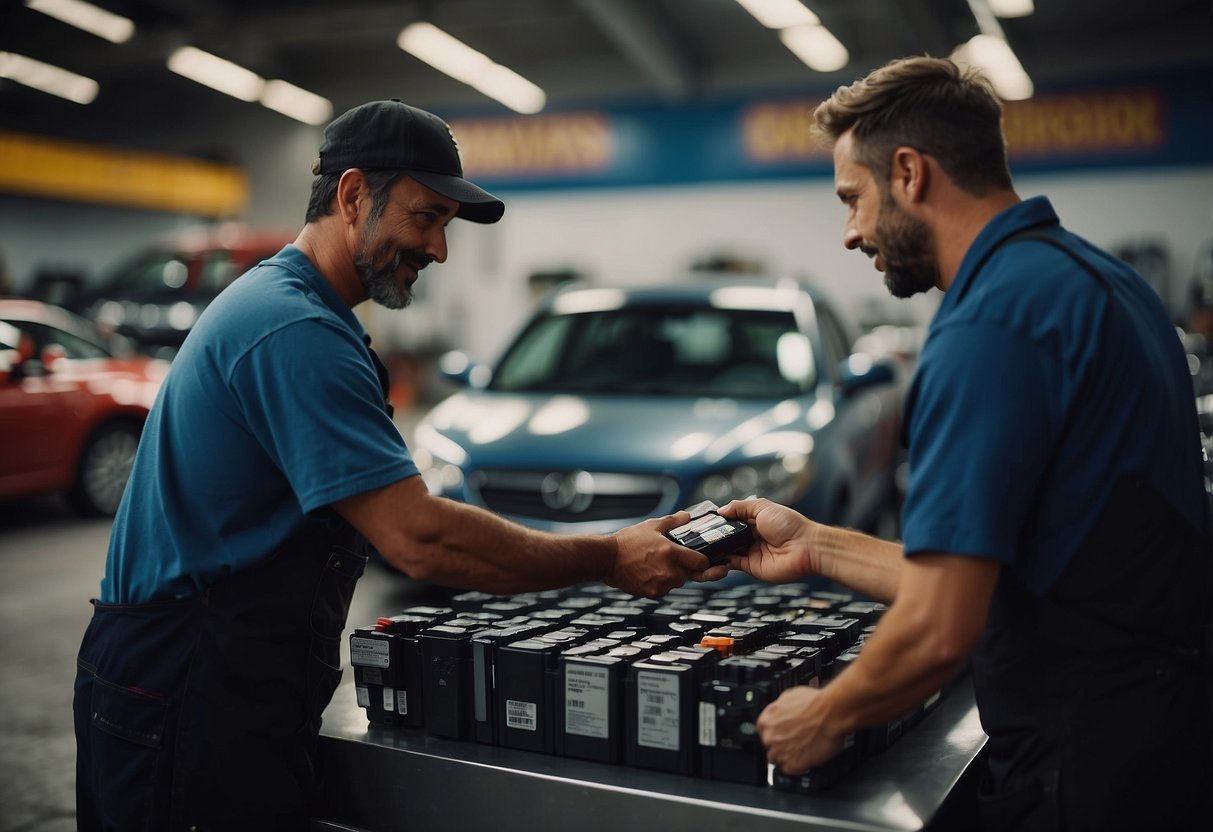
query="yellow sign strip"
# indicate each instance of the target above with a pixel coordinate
(60, 169)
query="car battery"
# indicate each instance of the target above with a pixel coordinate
(387, 670)
(632, 615)
(471, 600)
(597, 623)
(524, 697)
(591, 710)
(687, 632)
(729, 705)
(868, 612)
(446, 652)
(557, 615)
(484, 655)
(661, 697)
(847, 629)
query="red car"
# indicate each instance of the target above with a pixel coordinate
(72, 406)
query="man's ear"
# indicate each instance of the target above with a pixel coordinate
(351, 195)
(910, 174)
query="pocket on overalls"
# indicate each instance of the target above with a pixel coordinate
(126, 748)
(334, 589)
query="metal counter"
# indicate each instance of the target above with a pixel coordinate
(385, 779)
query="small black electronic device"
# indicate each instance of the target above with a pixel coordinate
(713, 535)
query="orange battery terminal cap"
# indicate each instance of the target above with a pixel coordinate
(383, 624)
(721, 644)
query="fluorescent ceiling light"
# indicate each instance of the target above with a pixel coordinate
(1012, 8)
(216, 73)
(994, 56)
(296, 102)
(463, 63)
(816, 46)
(47, 78)
(779, 14)
(114, 28)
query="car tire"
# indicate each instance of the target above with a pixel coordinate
(104, 467)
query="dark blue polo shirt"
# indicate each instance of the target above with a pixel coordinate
(271, 410)
(1038, 387)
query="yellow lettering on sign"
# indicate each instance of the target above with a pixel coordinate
(571, 143)
(59, 169)
(781, 133)
(1073, 124)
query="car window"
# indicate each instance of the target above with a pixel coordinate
(661, 350)
(73, 345)
(153, 272)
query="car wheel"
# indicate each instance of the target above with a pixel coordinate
(105, 466)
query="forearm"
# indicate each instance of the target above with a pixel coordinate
(464, 546)
(861, 562)
(451, 543)
(920, 643)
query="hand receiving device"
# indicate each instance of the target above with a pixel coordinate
(713, 535)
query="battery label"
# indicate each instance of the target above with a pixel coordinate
(586, 701)
(369, 652)
(402, 702)
(520, 715)
(364, 696)
(657, 698)
(389, 700)
(707, 723)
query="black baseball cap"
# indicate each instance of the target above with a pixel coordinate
(391, 135)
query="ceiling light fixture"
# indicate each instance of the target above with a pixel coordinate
(113, 27)
(816, 46)
(463, 63)
(216, 73)
(47, 78)
(297, 103)
(801, 31)
(996, 59)
(1012, 8)
(779, 14)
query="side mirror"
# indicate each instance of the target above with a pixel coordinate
(860, 371)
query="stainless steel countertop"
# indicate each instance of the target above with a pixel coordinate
(385, 779)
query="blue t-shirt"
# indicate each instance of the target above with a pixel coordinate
(1021, 347)
(271, 410)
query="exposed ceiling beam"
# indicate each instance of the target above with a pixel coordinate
(643, 38)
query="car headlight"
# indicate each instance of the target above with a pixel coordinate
(782, 479)
(439, 460)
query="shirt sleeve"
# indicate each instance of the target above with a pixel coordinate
(982, 418)
(312, 398)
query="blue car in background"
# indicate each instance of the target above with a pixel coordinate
(617, 404)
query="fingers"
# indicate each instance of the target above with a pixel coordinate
(672, 521)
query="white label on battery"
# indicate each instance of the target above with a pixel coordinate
(389, 700)
(364, 696)
(402, 702)
(520, 715)
(587, 701)
(657, 709)
(707, 723)
(369, 652)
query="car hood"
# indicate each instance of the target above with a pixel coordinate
(130, 381)
(499, 430)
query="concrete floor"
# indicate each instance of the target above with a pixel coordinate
(51, 564)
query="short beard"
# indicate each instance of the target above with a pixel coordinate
(379, 282)
(910, 265)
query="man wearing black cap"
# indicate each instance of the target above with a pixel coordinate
(266, 466)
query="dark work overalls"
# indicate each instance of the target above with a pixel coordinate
(204, 712)
(1098, 696)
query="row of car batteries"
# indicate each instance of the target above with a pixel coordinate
(674, 684)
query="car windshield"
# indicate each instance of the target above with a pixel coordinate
(661, 350)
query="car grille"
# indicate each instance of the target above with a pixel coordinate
(574, 496)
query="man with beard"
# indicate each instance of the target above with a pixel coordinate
(267, 464)
(1055, 530)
